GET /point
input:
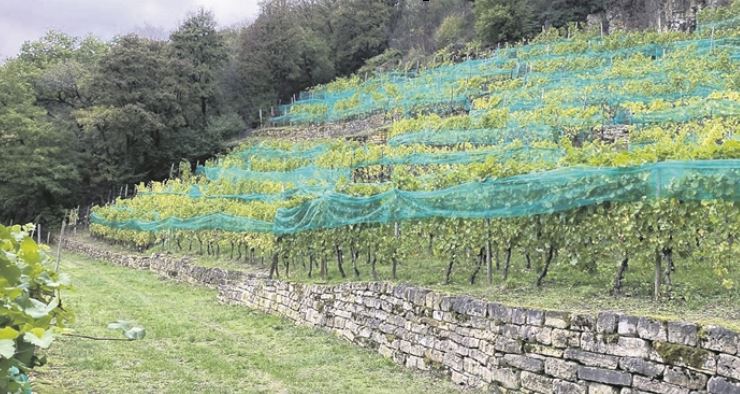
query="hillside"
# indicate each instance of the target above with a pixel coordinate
(608, 163)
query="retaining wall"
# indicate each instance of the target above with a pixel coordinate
(482, 344)
(171, 267)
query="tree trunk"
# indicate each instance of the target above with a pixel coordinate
(479, 264)
(529, 261)
(669, 267)
(448, 272)
(489, 263)
(619, 278)
(507, 262)
(394, 267)
(310, 265)
(322, 268)
(274, 266)
(340, 260)
(372, 267)
(354, 254)
(548, 260)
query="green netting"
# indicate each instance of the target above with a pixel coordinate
(217, 221)
(309, 175)
(601, 90)
(706, 109)
(195, 192)
(461, 157)
(542, 132)
(524, 195)
(477, 136)
(447, 86)
(271, 153)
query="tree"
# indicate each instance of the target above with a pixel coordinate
(38, 175)
(130, 133)
(361, 31)
(503, 20)
(199, 53)
(418, 24)
(450, 31)
(281, 54)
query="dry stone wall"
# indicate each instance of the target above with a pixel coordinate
(171, 267)
(507, 349)
(483, 344)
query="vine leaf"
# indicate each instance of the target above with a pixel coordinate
(130, 329)
(7, 348)
(8, 333)
(38, 309)
(39, 337)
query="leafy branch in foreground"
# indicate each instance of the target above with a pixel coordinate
(32, 309)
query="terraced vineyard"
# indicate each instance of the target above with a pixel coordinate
(608, 154)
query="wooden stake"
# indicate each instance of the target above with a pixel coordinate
(38, 233)
(489, 264)
(656, 290)
(59, 245)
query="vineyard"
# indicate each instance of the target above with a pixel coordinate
(613, 154)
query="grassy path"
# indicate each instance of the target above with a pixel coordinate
(195, 344)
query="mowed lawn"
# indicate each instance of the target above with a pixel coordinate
(195, 344)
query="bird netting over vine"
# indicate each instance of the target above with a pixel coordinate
(309, 175)
(591, 76)
(522, 195)
(216, 221)
(196, 192)
(273, 153)
(524, 154)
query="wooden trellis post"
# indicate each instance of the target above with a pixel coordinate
(59, 244)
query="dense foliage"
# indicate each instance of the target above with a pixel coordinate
(80, 118)
(32, 309)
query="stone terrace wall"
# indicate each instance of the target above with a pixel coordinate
(481, 344)
(171, 267)
(509, 349)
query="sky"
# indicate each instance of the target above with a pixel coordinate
(24, 20)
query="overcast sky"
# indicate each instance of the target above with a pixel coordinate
(23, 20)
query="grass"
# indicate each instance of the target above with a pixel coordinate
(195, 344)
